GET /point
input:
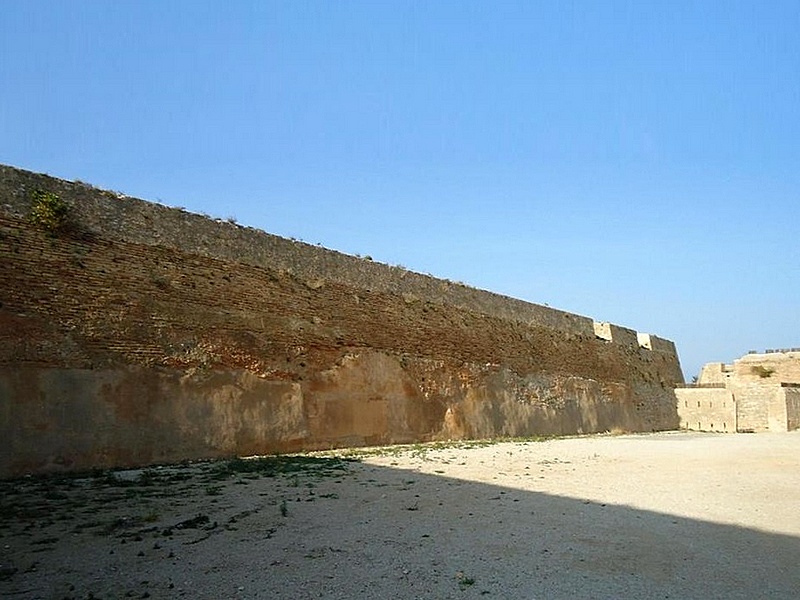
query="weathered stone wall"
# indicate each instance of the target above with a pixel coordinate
(655, 343)
(792, 395)
(755, 402)
(706, 409)
(144, 334)
(743, 407)
(777, 417)
(123, 218)
(86, 418)
(615, 333)
(772, 367)
(715, 373)
(758, 385)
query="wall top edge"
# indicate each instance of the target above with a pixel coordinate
(131, 219)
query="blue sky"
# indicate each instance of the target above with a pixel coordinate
(635, 162)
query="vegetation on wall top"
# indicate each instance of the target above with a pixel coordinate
(49, 211)
(761, 371)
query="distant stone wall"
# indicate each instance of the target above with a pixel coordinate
(145, 334)
(772, 367)
(792, 395)
(756, 383)
(713, 373)
(742, 407)
(753, 404)
(707, 409)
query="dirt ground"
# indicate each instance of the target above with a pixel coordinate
(670, 515)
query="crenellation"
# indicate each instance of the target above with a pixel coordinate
(616, 334)
(657, 344)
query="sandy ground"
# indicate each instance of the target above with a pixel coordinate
(672, 515)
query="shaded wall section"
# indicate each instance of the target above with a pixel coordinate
(138, 335)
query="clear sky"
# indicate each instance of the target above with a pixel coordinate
(635, 162)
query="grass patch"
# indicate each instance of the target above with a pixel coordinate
(762, 371)
(48, 211)
(421, 449)
(464, 581)
(272, 466)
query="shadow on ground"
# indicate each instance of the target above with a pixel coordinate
(332, 528)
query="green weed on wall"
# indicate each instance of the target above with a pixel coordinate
(49, 211)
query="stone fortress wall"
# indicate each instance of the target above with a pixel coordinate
(758, 392)
(136, 221)
(146, 334)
